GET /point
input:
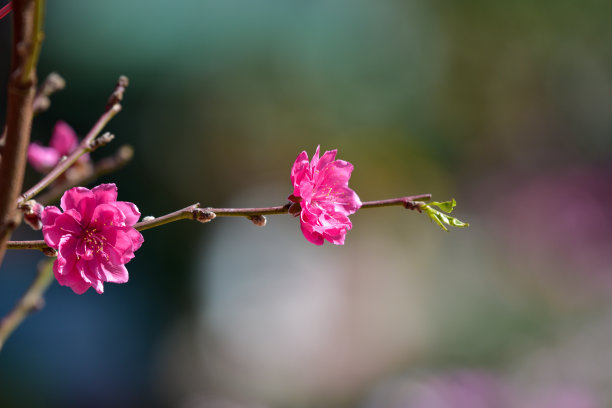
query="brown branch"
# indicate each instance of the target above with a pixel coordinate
(103, 166)
(27, 37)
(53, 83)
(88, 144)
(256, 215)
(31, 301)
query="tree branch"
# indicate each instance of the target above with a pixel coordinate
(31, 301)
(103, 166)
(27, 38)
(53, 83)
(88, 144)
(256, 215)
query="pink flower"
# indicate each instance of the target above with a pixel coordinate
(325, 200)
(63, 142)
(94, 237)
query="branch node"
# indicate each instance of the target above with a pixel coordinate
(53, 83)
(100, 141)
(117, 96)
(413, 205)
(258, 220)
(49, 252)
(203, 215)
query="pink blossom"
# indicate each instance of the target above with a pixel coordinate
(63, 142)
(325, 200)
(94, 237)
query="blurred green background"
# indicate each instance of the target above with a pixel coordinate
(506, 106)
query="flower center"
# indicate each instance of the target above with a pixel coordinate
(94, 241)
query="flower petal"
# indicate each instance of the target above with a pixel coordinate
(50, 214)
(132, 215)
(64, 140)
(70, 278)
(135, 236)
(105, 193)
(73, 197)
(42, 158)
(299, 171)
(114, 273)
(65, 267)
(64, 226)
(107, 216)
(311, 235)
(327, 158)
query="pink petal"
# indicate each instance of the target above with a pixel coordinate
(335, 174)
(73, 197)
(118, 246)
(99, 286)
(64, 139)
(65, 267)
(327, 158)
(42, 158)
(71, 279)
(115, 273)
(107, 216)
(84, 250)
(135, 236)
(310, 234)
(336, 236)
(105, 193)
(132, 215)
(50, 214)
(64, 226)
(315, 159)
(91, 273)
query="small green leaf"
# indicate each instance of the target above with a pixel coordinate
(446, 206)
(439, 217)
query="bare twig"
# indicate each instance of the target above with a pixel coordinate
(103, 166)
(52, 84)
(256, 215)
(27, 38)
(88, 144)
(31, 301)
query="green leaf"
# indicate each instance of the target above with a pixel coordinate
(446, 206)
(439, 217)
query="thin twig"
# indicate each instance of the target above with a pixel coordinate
(27, 37)
(31, 301)
(5, 10)
(53, 83)
(87, 145)
(103, 166)
(206, 214)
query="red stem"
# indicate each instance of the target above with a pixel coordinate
(6, 9)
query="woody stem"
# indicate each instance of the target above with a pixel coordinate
(206, 214)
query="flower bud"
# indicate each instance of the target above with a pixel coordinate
(258, 220)
(202, 215)
(32, 213)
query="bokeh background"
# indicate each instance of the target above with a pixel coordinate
(506, 106)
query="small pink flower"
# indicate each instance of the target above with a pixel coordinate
(63, 142)
(94, 237)
(321, 189)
